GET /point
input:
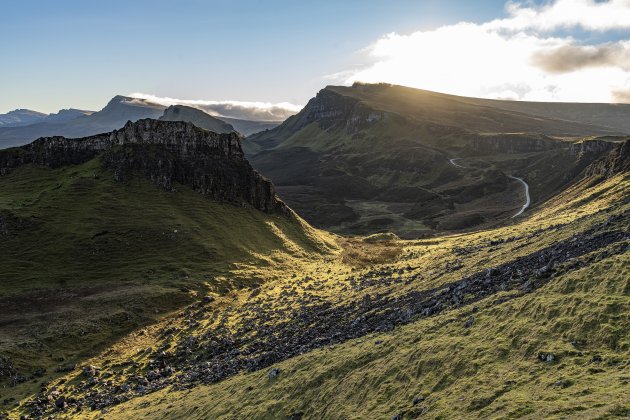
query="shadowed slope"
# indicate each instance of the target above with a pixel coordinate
(101, 235)
(375, 158)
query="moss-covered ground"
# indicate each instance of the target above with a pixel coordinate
(477, 360)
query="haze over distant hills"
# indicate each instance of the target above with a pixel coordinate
(196, 116)
(23, 126)
(21, 117)
(613, 116)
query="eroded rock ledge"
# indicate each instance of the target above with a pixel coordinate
(166, 152)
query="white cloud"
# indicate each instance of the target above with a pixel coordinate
(510, 58)
(586, 14)
(259, 111)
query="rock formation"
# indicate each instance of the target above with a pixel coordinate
(616, 161)
(167, 153)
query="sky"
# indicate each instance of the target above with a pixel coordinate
(276, 54)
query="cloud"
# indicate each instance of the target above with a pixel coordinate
(258, 111)
(570, 58)
(621, 96)
(586, 14)
(508, 58)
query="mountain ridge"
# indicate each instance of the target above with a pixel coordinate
(373, 158)
(19, 117)
(210, 163)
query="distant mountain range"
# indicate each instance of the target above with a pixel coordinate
(23, 126)
(22, 117)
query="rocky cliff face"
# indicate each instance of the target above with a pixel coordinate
(166, 152)
(331, 109)
(589, 147)
(616, 161)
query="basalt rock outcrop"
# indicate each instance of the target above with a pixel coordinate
(614, 162)
(330, 110)
(591, 147)
(166, 152)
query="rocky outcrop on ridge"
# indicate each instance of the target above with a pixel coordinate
(166, 152)
(616, 161)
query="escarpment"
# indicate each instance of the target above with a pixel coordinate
(166, 152)
(614, 162)
(331, 109)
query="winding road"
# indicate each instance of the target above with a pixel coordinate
(527, 197)
(455, 164)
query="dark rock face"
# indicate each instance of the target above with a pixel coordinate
(166, 152)
(331, 109)
(582, 148)
(616, 161)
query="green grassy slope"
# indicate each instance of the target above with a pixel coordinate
(486, 357)
(489, 370)
(85, 259)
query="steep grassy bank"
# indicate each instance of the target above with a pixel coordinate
(86, 259)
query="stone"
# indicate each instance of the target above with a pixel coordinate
(417, 400)
(546, 357)
(273, 373)
(61, 403)
(90, 371)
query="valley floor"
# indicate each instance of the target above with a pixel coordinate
(529, 320)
